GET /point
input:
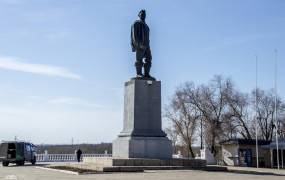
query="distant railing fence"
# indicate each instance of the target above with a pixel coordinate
(65, 157)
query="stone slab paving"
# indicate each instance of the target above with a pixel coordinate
(32, 173)
(256, 170)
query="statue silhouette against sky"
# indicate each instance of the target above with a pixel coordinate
(140, 45)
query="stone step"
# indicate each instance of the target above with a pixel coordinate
(142, 168)
(108, 162)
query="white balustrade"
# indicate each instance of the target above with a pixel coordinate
(65, 157)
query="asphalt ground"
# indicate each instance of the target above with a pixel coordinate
(29, 172)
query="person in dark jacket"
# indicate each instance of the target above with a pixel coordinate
(78, 154)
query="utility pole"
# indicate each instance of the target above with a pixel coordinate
(256, 113)
(275, 109)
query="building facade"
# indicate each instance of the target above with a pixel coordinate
(242, 152)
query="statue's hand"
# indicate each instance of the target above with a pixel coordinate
(142, 47)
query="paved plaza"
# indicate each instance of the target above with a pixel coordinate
(33, 173)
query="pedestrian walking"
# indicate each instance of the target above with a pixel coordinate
(78, 154)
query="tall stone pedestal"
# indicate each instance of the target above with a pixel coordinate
(142, 136)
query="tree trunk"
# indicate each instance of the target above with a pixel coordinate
(190, 151)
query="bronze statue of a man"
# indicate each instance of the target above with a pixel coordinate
(140, 45)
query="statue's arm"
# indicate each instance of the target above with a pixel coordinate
(136, 39)
(132, 39)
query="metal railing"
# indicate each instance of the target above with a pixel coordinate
(65, 157)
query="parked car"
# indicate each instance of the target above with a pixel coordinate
(17, 152)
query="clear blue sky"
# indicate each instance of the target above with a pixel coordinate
(63, 63)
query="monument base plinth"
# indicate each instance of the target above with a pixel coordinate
(146, 163)
(142, 135)
(109, 164)
(142, 147)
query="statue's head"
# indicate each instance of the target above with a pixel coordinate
(142, 14)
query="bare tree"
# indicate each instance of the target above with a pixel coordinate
(230, 127)
(266, 110)
(222, 112)
(211, 101)
(239, 114)
(184, 118)
(282, 126)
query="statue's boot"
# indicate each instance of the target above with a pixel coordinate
(139, 72)
(146, 72)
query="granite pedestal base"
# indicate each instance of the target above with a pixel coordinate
(142, 136)
(142, 147)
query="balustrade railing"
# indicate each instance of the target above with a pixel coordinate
(65, 157)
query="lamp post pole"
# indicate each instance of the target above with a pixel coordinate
(275, 110)
(256, 114)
